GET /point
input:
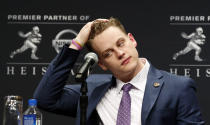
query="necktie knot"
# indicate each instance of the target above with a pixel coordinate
(127, 87)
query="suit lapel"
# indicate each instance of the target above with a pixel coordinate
(152, 90)
(97, 94)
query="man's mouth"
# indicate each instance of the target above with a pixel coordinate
(126, 61)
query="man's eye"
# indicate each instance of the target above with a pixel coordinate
(107, 54)
(120, 44)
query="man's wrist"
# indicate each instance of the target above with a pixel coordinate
(75, 44)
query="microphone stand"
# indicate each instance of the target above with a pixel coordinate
(81, 77)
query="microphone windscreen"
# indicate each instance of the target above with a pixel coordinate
(92, 55)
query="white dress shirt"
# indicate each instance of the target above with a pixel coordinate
(108, 107)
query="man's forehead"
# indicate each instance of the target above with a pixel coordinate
(107, 38)
(110, 34)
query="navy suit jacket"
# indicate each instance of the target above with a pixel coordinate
(172, 102)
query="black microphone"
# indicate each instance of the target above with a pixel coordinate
(90, 60)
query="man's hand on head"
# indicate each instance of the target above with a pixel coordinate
(84, 33)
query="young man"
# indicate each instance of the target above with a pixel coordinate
(135, 94)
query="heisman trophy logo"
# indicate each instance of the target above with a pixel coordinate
(32, 38)
(195, 39)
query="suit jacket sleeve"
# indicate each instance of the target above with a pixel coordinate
(188, 108)
(51, 93)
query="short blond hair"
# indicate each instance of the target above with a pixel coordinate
(99, 26)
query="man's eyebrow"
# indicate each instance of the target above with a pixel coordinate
(121, 38)
(106, 51)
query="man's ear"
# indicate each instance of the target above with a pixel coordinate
(100, 63)
(131, 37)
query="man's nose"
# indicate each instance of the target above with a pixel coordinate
(120, 53)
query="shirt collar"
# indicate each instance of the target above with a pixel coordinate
(139, 81)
